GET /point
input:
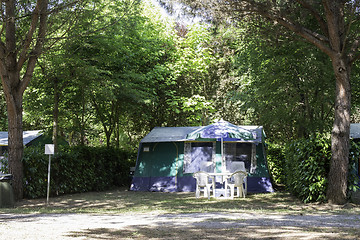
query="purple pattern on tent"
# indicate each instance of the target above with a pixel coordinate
(188, 184)
(222, 130)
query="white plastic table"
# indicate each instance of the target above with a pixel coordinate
(221, 191)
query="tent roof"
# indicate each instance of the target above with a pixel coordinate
(355, 130)
(178, 134)
(223, 130)
(28, 136)
(168, 134)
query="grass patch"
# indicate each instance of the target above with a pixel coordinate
(123, 201)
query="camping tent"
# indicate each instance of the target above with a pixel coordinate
(168, 156)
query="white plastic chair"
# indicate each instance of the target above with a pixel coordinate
(204, 182)
(236, 180)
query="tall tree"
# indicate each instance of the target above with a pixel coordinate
(119, 64)
(336, 34)
(24, 34)
(17, 62)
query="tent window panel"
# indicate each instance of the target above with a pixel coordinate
(238, 152)
(198, 156)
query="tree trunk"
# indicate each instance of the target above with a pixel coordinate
(337, 187)
(16, 59)
(15, 142)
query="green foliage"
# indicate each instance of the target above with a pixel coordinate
(307, 166)
(283, 84)
(106, 79)
(35, 172)
(194, 80)
(3, 112)
(75, 169)
(307, 163)
(276, 162)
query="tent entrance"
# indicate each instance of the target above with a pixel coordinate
(235, 152)
(199, 156)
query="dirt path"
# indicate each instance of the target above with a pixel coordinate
(179, 226)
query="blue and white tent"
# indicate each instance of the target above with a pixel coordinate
(168, 156)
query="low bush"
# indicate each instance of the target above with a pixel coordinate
(75, 169)
(276, 162)
(307, 164)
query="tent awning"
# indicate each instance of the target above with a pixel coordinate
(223, 130)
(181, 134)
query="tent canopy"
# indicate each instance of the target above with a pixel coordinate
(222, 130)
(168, 134)
(183, 134)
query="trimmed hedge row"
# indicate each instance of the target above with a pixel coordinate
(75, 169)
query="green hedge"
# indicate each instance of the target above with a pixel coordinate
(307, 163)
(75, 169)
(276, 162)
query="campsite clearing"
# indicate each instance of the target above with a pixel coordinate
(122, 214)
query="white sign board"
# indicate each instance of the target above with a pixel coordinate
(49, 148)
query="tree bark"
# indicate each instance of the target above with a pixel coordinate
(338, 174)
(15, 141)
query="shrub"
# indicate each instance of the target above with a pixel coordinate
(35, 172)
(75, 169)
(276, 162)
(307, 166)
(307, 163)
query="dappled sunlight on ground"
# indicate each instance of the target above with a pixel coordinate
(122, 200)
(123, 214)
(250, 232)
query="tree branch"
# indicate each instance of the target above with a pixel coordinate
(316, 39)
(29, 36)
(90, 32)
(38, 47)
(332, 12)
(316, 15)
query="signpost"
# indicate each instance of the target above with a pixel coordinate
(49, 150)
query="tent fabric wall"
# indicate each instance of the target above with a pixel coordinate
(160, 162)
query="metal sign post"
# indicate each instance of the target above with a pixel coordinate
(49, 150)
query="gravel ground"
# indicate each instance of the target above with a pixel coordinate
(179, 226)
